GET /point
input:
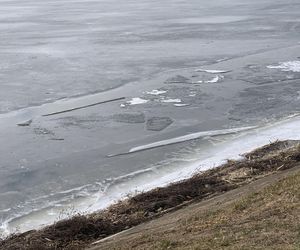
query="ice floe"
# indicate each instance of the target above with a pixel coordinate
(25, 123)
(171, 100)
(181, 105)
(212, 71)
(136, 101)
(188, 137)
(293, 66)
(215, 79)
(156, 92)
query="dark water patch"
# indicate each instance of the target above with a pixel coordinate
(260, 75)
(267, 101)
(129, 118)
(43, 131)
(83, 122)
(158, 123)
(178, 79)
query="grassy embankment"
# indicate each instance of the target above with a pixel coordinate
(265, 219)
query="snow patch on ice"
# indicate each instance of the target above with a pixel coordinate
(181, 105)
(136, 101)
(171, 100)
(212, 71)
(215, 79)
(293, 66)
(156, 92)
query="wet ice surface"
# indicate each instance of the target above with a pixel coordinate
(182, 73)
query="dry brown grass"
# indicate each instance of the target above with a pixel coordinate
(269, 219)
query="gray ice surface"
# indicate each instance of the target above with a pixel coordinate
(61, 55)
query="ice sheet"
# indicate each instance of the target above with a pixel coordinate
(212, 71)
(171, 100)
(156, 92)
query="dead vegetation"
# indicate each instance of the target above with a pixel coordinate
(265, 219)
(79, 231)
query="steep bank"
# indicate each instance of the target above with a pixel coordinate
(80, 231)
(261, 215)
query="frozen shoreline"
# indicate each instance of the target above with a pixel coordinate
(230, 147)
(263, 165)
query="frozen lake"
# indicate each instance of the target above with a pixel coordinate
(99, 98)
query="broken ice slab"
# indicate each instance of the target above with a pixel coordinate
(213, 71)
(25, 123)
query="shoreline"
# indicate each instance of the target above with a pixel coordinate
(244, 218)
(226, 147)
(84, 230)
